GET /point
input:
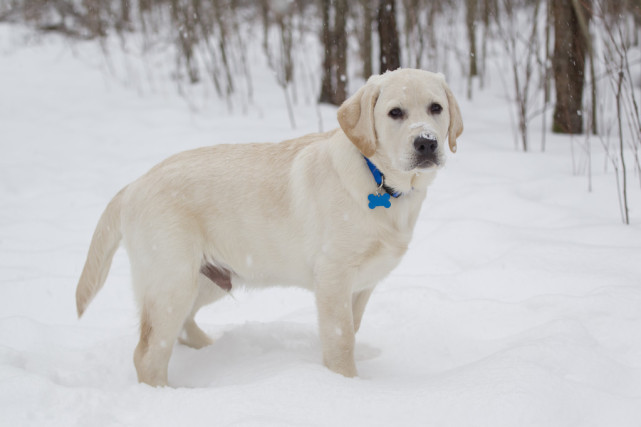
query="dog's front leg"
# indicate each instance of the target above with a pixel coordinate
(336, 323)
(359, 301)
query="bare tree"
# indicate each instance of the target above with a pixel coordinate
(521, 42)
(183, 15)
(96, 16)
(624, 193)
(390, 50)
(280, 60)
(433, 12)
(340, 35)
(582, 17)
(86, 19)
(366, 37)
(546, 69)
(414, 30)
(488, 10)
(125, 14)
(327, 86)
(221, 17)
(334, 38)
(617, 44)
(471, 7)
(570, 49)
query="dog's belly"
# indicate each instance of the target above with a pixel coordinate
(260, 271)
(283, 255)
(262, 255)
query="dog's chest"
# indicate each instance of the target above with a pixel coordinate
(379, 258)
(385, 248)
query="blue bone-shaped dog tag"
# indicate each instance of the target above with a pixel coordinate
(379, 200)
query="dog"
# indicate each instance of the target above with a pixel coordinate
(330, 212)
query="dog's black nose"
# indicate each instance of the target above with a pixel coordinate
(425, 146)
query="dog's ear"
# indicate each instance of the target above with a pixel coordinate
(456, 121)
(356, 117)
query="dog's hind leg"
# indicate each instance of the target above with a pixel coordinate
(166, 294)
(192, 335)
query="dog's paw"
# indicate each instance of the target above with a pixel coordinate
(194, 337)
(346, 369)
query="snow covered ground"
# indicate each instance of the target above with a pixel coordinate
(518, 303)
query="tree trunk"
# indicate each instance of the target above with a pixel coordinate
(340, 40)
(93, 18)
(488, 10)
(125, 13)
(327, 88)
(390, 58)
(470, 19)
(144, 5)
(334, 37)
(570, 48)
(366, 42)
(264, 14)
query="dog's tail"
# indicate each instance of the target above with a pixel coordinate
(104, 243)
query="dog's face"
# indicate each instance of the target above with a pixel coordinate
(405, 117)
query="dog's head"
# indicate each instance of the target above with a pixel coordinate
(403, 116)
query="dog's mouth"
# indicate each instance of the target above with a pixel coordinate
(427, 163)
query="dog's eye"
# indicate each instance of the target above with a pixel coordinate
(396, 113)
(436, 108)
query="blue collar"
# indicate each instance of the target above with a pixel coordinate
(380, 179)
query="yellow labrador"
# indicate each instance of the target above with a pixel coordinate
(331, 212)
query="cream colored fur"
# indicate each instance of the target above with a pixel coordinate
(293, 213)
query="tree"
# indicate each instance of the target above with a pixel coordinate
(488, 12)
(281, 60)
(521, 40)
(470, 20)
(334, 39)
(612, 21)
(390, 50)
(125, 14)
(366, 38)
(326, 39)
(570, 49)
(340, 35)
(471, 7)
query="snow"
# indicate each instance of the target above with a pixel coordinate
(518, 303)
